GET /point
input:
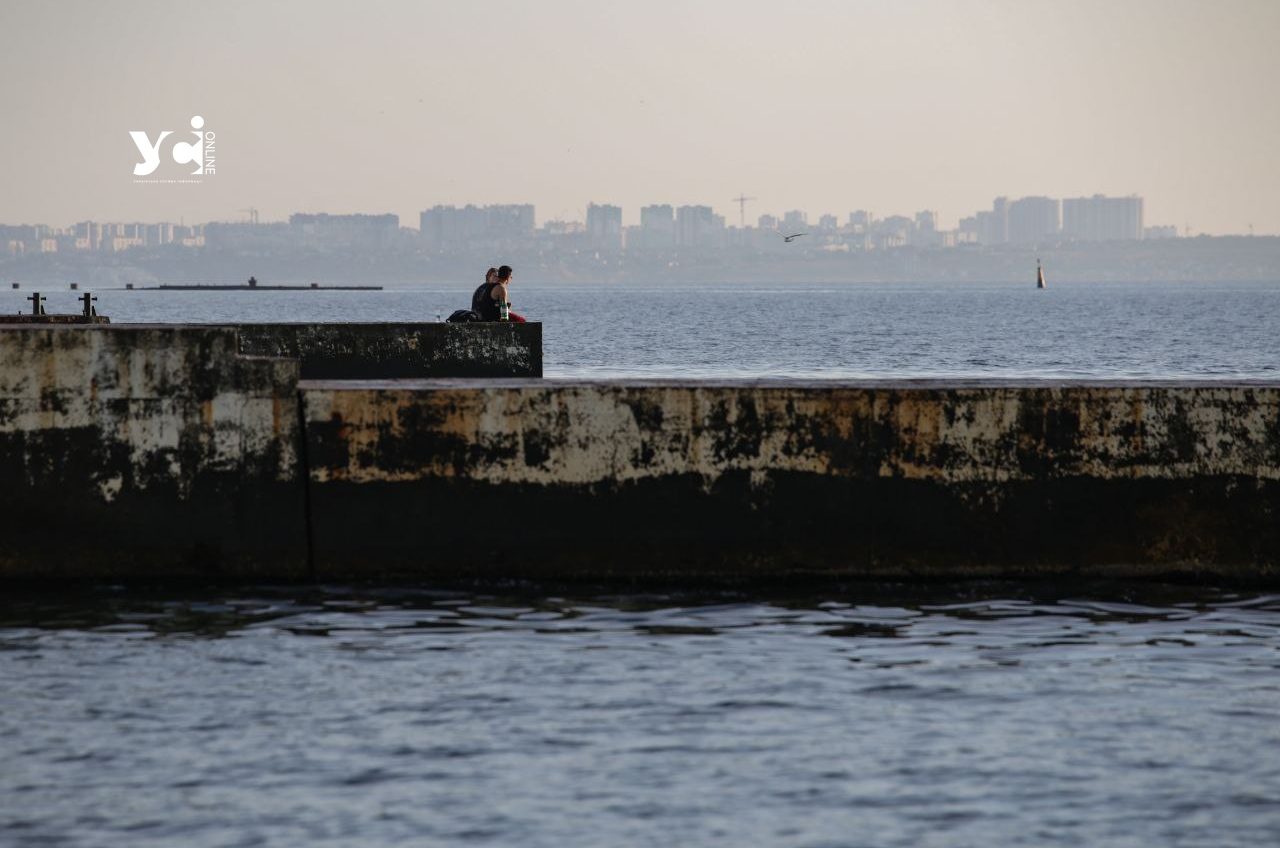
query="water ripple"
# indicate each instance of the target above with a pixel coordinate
(1107, 714)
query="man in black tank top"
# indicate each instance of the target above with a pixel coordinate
(482, 302)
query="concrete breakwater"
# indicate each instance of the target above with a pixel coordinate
(676, 480)
(166, 451)
(147, 451)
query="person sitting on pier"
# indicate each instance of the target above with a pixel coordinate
(482, 301)
(493, 292)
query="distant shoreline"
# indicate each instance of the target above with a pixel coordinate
(242, 287)
(1199, 259)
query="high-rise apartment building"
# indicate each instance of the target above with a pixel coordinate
(336, 232)
(1033, 220)
(657, 227)
(1100, 218)
(604, 226)
(795, 221)
(451, 227)
(698, 226)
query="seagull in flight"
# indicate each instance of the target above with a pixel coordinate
(790, 238)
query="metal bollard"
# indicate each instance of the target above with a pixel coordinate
(37, 303)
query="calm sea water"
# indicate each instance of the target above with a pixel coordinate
(1096, 330)
(1098, 715)
(974, 715)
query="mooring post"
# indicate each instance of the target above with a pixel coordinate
(37, 303)
(89, 309)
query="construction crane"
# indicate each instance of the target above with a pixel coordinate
(741, 200)
(253, 214)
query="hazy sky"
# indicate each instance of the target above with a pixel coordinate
(824, 106)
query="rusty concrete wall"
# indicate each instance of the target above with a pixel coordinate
(147, 451)
(162, 451)
(683, 481)
(390, 351)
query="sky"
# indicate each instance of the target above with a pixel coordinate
(398, 105)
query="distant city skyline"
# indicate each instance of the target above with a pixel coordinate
(830, 106)
(732, 211)
(664, 230)
(1083, 238)
(1024, 220)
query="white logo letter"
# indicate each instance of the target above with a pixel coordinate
(186, 153)
(150, 152)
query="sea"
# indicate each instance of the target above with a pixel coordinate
(1108, 331)
(1059, 713)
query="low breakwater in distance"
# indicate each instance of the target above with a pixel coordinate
(143, 452)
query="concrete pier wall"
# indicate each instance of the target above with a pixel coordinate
(156, 451)
(352, 351)
(165, 451)
(688, 481)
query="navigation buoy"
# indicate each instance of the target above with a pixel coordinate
(1040, 276)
